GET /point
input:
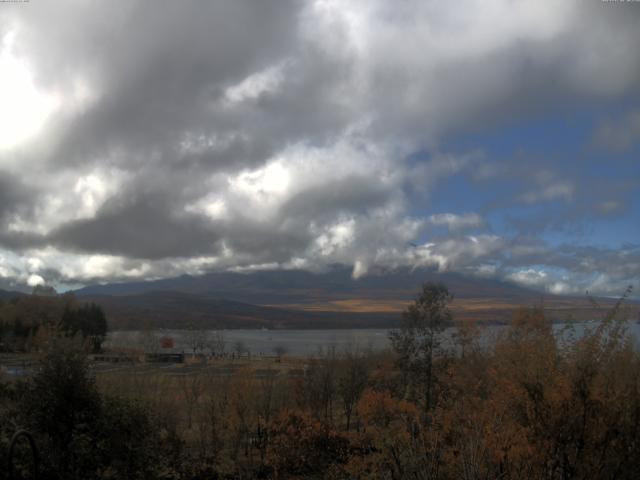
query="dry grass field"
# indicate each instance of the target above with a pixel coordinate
(483, 309)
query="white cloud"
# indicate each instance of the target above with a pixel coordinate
(621, 133)
(5, 272)
(35, 280)
(457, 222)
(359, 269)
(336, 237)
(193, 143)
(609, 206)
(554, 191)
(212, 206)
(529, 277)
(262, 183)
(35, 264)
(92, 191)
(565, 282)
(25, 108)
(255, 85)
(65, 196)
(485, 270)
(560, 288)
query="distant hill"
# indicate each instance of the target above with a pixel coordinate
(8, 295)
(297, 286)
(303, 300)
(167, 309)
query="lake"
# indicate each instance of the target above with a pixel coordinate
(303, 342)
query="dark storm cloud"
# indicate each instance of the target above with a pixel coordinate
(355, 193)
(265, 243)
(145, 229)
(19, 241)
(160, 70)
(16, 199)
(12, 195)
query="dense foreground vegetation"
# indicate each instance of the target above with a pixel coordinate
(530, 405)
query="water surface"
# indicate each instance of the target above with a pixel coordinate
(305, 342)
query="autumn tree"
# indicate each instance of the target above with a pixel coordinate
(194, 340)
(398, 448)
(303, 447)
(320, 385)
(266, 396)
(148, 339)
(418, 340)
(216, 343)
(214, 420)
(242, 411)
(240, 348)
(352, 381)
(466, 335)
(280, 351)
(192, 387)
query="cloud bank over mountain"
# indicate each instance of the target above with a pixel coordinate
(150, 140)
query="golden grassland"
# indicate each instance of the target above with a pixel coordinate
(483, 309)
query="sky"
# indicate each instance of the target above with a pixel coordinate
(497, 139)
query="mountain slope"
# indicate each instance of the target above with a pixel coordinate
(166, 309)
(8, 295)
(300, 299)
(301, 287)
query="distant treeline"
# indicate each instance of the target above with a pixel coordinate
(27, 321)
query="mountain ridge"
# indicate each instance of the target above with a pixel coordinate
(170, 309)
(304, 300)
(336, 281)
